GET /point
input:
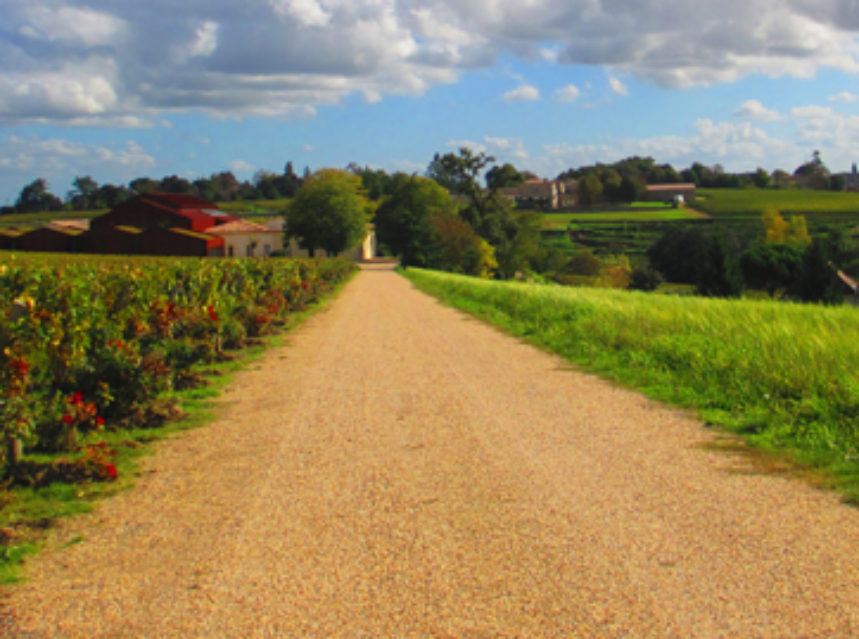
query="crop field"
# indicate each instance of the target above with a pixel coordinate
(817, 206)
(783, 375)
(88, 343)
(643, 214)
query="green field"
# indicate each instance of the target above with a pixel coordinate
(646, 214)
(816, 205)
(783, 375)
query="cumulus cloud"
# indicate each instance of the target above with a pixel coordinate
(523, 92)
(755, 110)
(569, 93)
(286, 57)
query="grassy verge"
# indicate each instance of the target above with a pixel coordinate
(26, 513)
(782, 375)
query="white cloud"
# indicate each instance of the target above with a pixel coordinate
(286, 57)
(524, 92)
(617, 86)
(844, 96)
(502, 149)
(307, 148)
(240, 166)
(569, 93)
(755, 110)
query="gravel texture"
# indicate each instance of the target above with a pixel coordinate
(401, 470)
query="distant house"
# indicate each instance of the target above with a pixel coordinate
(670, 192)
(851, 180)
(544, 194)
(244, 238)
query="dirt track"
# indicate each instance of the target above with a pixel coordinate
(402, 470)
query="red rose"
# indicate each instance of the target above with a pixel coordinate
(77, 398)
(99, 421)
(68, 419)
(212, 314)
(110, 469)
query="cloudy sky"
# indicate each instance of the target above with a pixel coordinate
(117, 89)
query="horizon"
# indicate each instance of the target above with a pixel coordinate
(116, 90)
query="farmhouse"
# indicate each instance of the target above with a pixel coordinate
(851, 180)
(669, 192)
(244, 238)
(547, 194)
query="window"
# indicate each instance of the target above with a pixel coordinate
(230, 252)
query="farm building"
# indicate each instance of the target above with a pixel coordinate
(164, 210)
(851, 180)
(248, 239)
(53, 239)
(547, 194)
(668, 192)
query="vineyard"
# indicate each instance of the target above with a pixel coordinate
(93, 344)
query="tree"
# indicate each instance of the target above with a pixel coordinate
(677, 253)
(84, 195)
(761, 178)
(773, 268)
(461, 250)
(818, 280)
(330, 211)
(35, 197)
(503, 176)
(404, 219)
(590, 189)
(458, 172)
(718, 273)
(813, 174)
(779, 231)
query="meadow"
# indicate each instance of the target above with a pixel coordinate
(784, 376)
(639, 214)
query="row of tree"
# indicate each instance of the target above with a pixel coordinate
(87, 194)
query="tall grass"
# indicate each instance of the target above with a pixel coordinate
(785, 375)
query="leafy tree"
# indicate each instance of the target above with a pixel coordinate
(818, 279)
(590, 189)
(84, 195)
(404, 219)
(761, 178)
(376, 182)
(644, 278)
(35, 197)
(814, 173)
(779, 231)
(631, 189)
(677, 253)
(772, 267)
(458, 172)
(503, 176)
(330, 211)
(144, 185)
(461, 250)
(718, 273)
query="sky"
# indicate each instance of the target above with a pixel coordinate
(118, 89)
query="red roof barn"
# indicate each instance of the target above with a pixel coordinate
(162, 211)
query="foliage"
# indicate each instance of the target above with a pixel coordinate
(774, 268)
(779, 231)
(461, 250)
(783, 374)
(330, 212)
(503, 176)
(644, 278)
(36, 197)
(404, 219)
(718, 271)
(87, 343)
(677, 252)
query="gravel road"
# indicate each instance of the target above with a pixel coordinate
(401, 470)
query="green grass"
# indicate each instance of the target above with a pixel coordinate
(658, 214)
(29, 512)
(782, 375)
(825, 205)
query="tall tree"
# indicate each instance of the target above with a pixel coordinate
(404, 220)
(330, 212)
(35, 197)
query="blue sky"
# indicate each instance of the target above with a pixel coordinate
(118, 89)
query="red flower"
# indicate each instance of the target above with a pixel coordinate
(305, 286)
(110, 469)
(77, 398)
(212, 313)
(68, 419)
(99, 421)
(120, 343)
